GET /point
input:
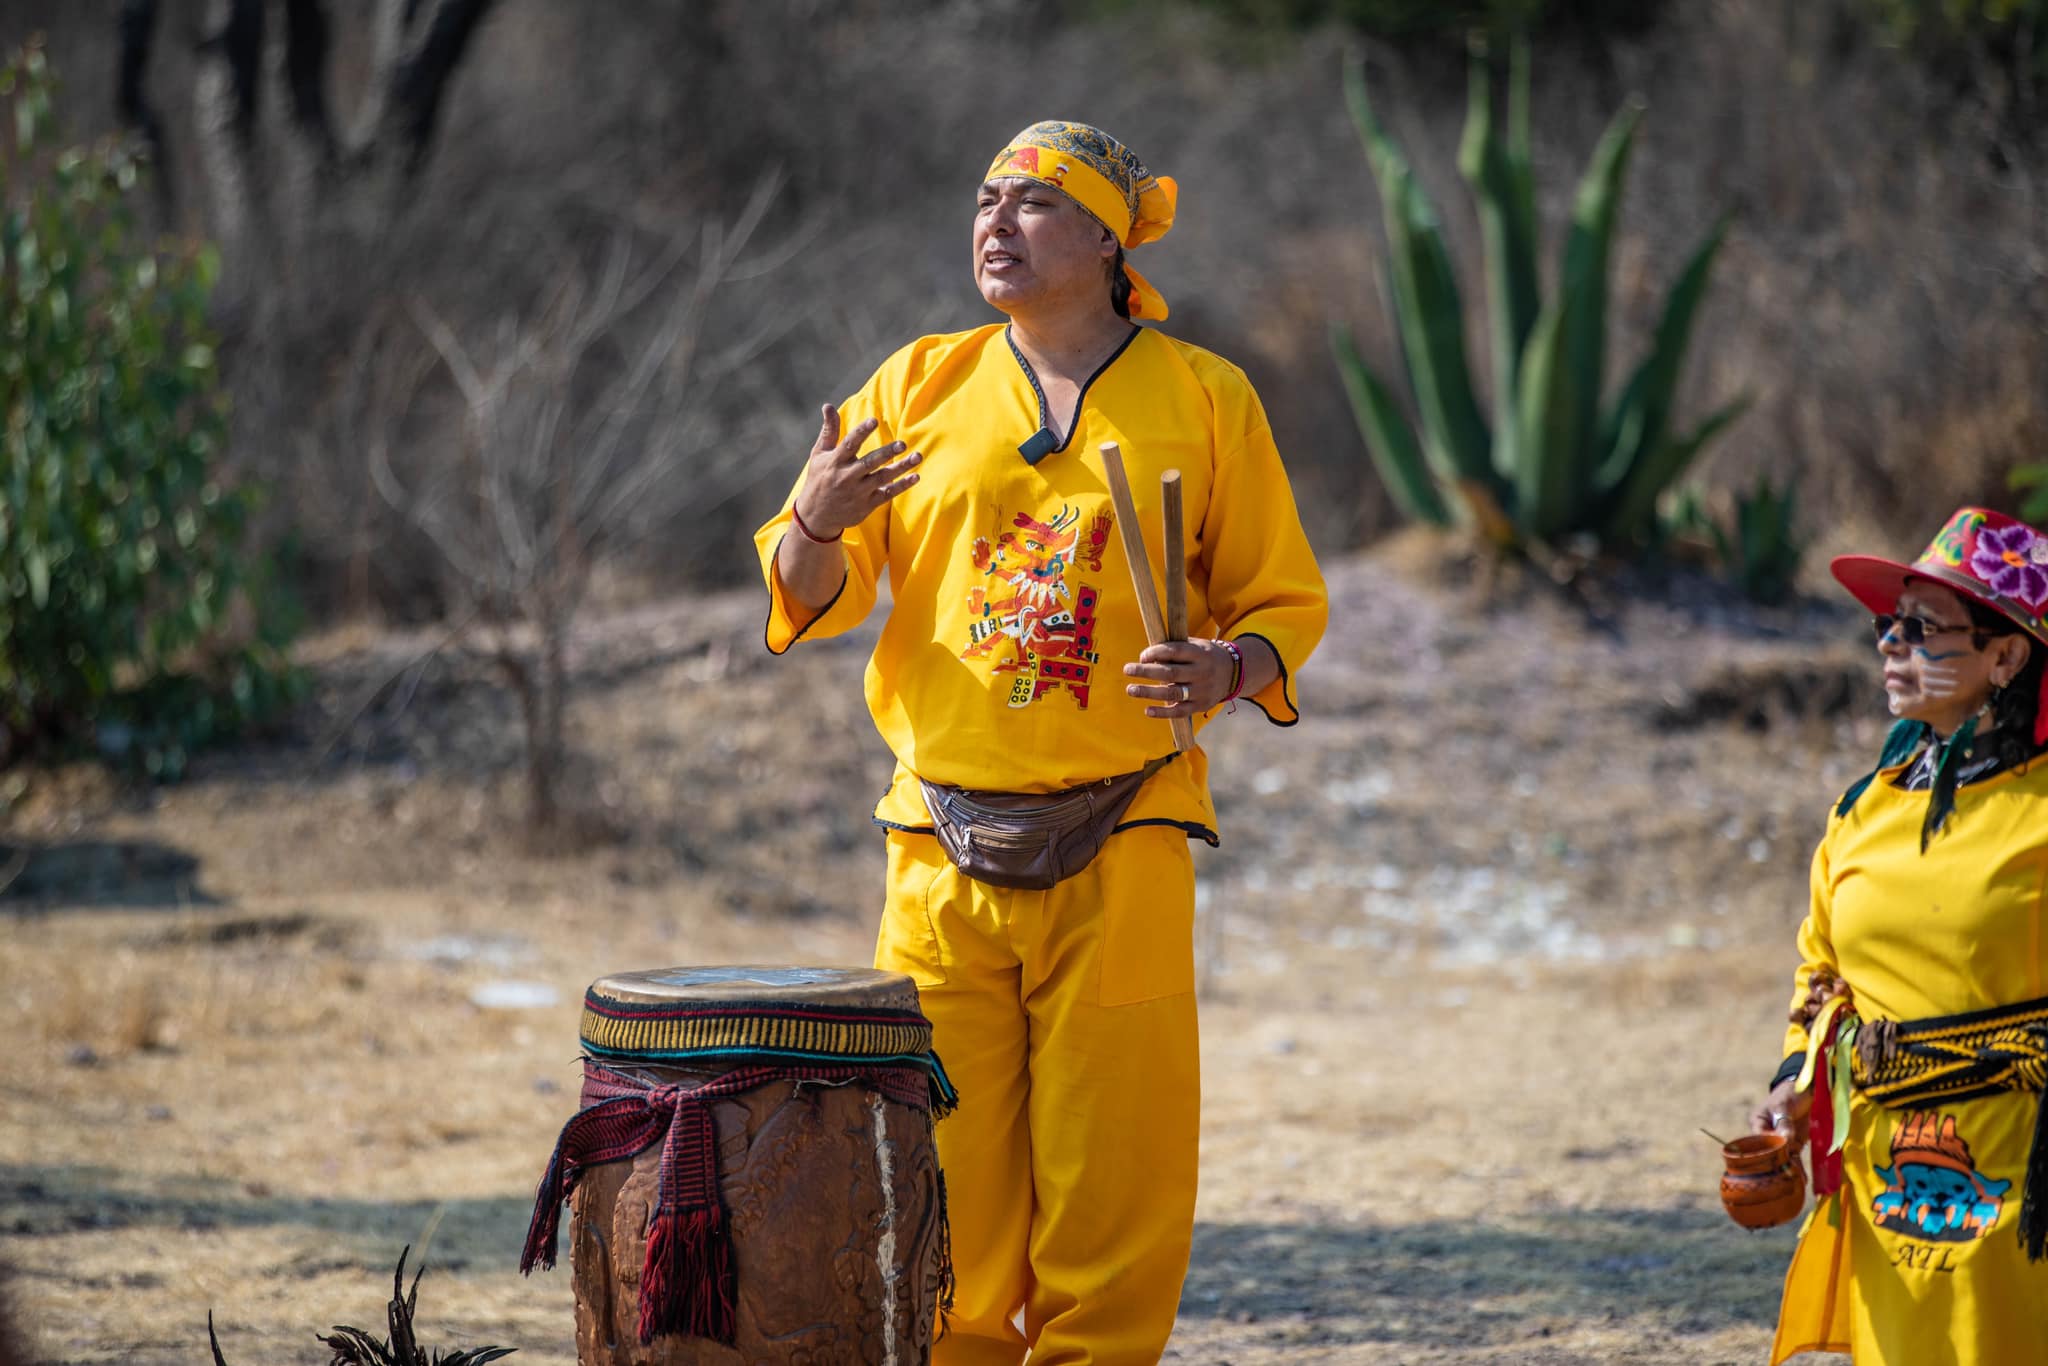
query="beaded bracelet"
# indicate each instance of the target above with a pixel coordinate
(1236, 674)
(813, 537)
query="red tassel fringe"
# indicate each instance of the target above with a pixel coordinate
(543, 1228)
(687, 1284)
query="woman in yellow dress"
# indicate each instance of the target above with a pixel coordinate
(1918, 1048)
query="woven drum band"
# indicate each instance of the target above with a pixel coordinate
(731, 1031)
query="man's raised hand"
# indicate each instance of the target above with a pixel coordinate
(841, 486)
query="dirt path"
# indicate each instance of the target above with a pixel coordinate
(1492, 932)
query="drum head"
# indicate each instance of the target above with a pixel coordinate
(801, 986)
(755, 1014)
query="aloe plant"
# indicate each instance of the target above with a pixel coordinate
(1552, 460)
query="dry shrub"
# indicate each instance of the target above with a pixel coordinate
(165, 997)
(110, 1007)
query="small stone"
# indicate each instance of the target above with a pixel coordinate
(159, 1113)
(82, 1055)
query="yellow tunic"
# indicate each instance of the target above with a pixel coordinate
(1919, 1263)
(1001, 663)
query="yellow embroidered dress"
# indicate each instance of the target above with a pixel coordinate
(1916, 1261)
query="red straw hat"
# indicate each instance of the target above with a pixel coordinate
(1987, 557)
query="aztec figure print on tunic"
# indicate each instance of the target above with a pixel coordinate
(1029, 620)
(1933, 1190)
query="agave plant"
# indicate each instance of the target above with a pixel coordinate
(1761, 553)
(1552, 460)
(355, 1347)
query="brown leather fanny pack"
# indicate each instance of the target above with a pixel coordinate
(1030, 840)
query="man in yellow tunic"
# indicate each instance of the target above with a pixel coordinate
(969, 468)
(1920, 1006)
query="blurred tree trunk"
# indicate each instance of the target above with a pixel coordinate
(542, 686)
(261, 179)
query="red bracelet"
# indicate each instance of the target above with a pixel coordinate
(813, 537)
(1236, 672)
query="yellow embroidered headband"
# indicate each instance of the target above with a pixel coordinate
(1105, 178)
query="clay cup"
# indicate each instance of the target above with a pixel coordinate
(1764, 1185)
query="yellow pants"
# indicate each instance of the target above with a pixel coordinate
(1067, 1019)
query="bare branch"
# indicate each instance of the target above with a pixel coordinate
(561, 460)
(475, 391)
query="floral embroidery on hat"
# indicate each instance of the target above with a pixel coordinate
(1954, 539)
(2009, 560)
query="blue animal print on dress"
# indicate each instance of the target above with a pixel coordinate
(1933, 1190)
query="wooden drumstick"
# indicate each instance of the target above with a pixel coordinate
(1141, 570)
(1176, 556)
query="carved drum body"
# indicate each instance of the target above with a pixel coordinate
(827, 1182)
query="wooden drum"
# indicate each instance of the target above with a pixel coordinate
(752, 1170)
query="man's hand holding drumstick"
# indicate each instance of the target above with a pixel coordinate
(1203, 667)
(841, 487)
(1185, 677)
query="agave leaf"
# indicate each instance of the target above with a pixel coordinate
(1548, 423)
(1518, 119)
(1636, 424)
(1497, 168)
(1428, 312)
(1582, 297)
(1635, 500)
(1391, 442)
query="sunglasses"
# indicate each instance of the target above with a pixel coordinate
(1915, 630)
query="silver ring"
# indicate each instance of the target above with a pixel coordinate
(1185, 692)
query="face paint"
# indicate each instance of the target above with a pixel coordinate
(1941, 682)
(1921, 651)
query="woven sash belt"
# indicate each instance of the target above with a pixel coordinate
(686, 1286)
(1953, 1058)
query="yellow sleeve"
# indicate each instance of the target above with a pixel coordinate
(1816, 944)
(866, 549)
(1263, 579)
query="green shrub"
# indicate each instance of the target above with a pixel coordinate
(2033, 481)
(1553, 462)
(130, 610)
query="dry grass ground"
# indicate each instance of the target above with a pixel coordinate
(1491, 933)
